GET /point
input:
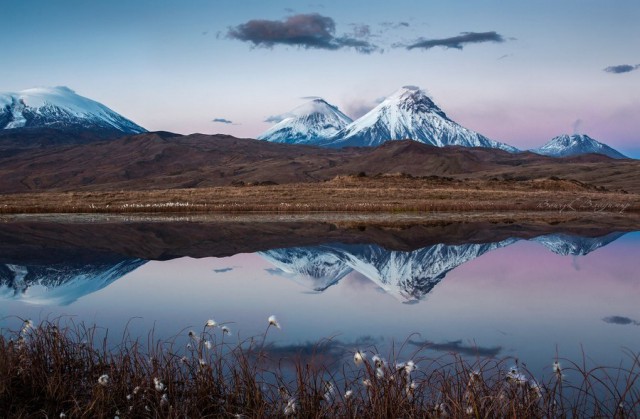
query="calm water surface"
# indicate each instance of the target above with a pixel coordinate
(529, 299)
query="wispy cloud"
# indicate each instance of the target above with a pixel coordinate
(274, 119)
(621, 320)
(302, 30)
(457, 42)
(221, 270)
(358, 107)
(221, 121)
(622, 68)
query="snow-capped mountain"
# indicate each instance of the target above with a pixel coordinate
(309, 123)
(409, 113)
(409, 276)
(62, 283)
(60, 107)
(575, 145)
(569, 245)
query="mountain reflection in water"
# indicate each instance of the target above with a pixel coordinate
(407, 275)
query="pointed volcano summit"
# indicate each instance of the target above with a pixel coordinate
(410, 113)
(60, 108)
(575, 145)
(309, 123)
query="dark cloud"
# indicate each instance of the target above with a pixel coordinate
(459, 41)
(221, 270)
(457, 347)
(302, 30)
(324, 353)
(620, 320)
(361, 31)
(222, 121)
(394, 25)
(622, 68)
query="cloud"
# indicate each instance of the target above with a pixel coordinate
(302, 30)
(221, 270)
(459, 41)
(310, 97)
(326, 352)
(622, 68)
(274, 119)
(358, 107)
(458, 347)
(577, 126)
(361, 31)
(222, 121)
(620, 320)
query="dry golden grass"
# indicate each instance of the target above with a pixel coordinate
(344, 194)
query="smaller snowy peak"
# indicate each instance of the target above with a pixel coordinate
(59, 107)
(307, 124)
(575, 145)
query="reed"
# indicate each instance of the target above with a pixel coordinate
(64, 369)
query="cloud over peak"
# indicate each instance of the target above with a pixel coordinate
(458, 42)
(302, 30)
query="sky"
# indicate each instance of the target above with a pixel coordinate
(517, 72)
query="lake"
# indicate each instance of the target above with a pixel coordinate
(529, 292)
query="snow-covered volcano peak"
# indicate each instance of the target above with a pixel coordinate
(409, 113)
(59, 107)
(574, 145)
(412, 99)
(308, 123)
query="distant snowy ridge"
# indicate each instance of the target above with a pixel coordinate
(59, 107)
(409, 113)
(309, 123)
(575, 145)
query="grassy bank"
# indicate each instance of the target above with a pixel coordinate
(345, 194)
(59, 369)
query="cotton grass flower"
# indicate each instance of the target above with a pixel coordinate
(208, 344)
(377, 361)
(359, 357)
(103, 380)
(159, 385)
(225, 330)
(348, 394)
(211, 323)
(291, 408)
(164, 400)
(273, 321)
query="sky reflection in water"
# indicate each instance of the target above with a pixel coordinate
(525, 299)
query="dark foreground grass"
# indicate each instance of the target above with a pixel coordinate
(68, 370)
